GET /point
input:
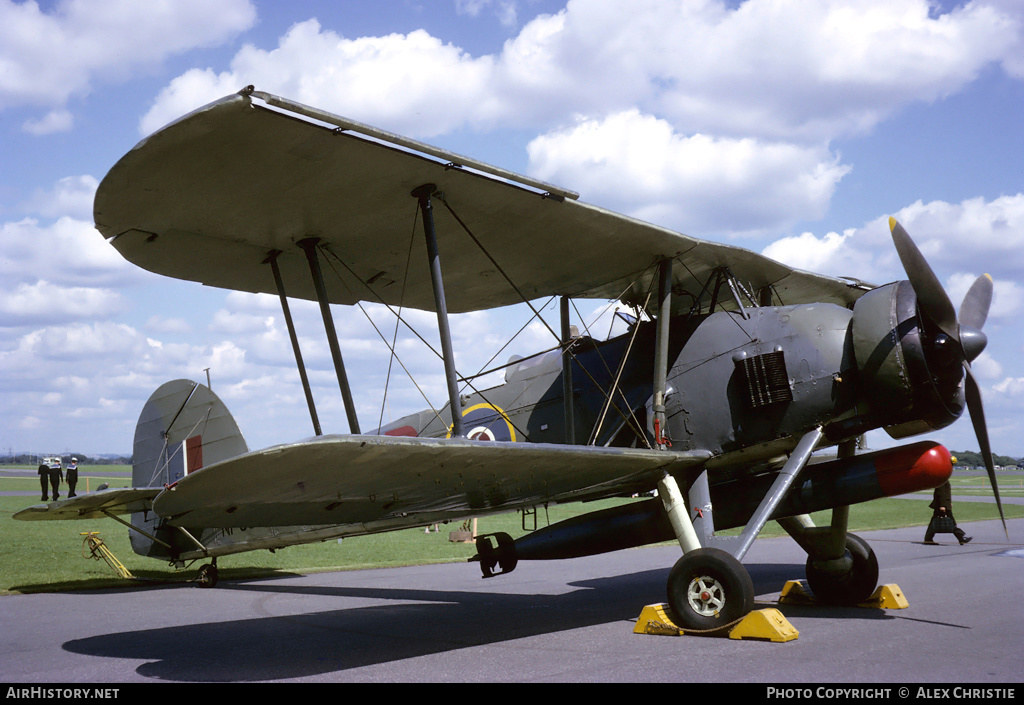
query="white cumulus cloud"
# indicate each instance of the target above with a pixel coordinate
(961, 241)
(48, 55)
(695, 183)
(775, 69)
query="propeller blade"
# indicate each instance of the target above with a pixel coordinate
(936, 306)
(931, 297)
(974, 309)
(977, 413)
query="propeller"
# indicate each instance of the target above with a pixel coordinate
(965, 332)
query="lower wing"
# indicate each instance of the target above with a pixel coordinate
(379, 479)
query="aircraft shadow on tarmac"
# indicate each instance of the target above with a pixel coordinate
(423, 622)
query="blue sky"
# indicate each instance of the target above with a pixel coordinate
(790, 128)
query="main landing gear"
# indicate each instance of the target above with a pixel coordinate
(709, 590)
(841, 567)
(848, 580)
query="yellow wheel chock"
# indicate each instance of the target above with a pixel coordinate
(765, 624)
(793, 593)
(886, 597)
(98, 550)
(654, 619)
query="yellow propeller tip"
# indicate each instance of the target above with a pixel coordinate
(892, 223)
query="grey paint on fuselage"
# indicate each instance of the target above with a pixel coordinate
(531, 397)
(706, 408)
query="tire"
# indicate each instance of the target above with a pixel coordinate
(207, 577)
(851, 588)
(709, 590)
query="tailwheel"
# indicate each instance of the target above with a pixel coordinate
(709, 590)
(846, 581)
(207, 577)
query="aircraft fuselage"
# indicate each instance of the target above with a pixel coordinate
(741, 385)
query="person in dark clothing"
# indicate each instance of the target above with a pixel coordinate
(44, 479)
(942, 516)
(54, 475)
(72, 476)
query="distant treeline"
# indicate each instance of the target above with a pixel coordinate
(972, 459)
(83, 459)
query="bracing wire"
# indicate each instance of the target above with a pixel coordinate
(567, 348)
(394, 337)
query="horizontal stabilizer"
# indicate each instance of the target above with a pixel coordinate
(93, 505)
(380, 480)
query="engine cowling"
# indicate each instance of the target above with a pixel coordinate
(910, 375)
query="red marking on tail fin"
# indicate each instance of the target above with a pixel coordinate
(193, 454)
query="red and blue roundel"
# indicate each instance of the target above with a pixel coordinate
(486, 422)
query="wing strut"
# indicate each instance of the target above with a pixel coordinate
(423, 193)
(309, 245)
(148, 535)
(567, 391)
(661, 351)
(668, 488)
(272, 260)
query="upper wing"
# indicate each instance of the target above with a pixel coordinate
(209, 197)
(377, 481)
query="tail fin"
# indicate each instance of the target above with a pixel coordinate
(183, 427)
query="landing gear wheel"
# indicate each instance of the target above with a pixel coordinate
(207, 577)
(852, 586)
(709, 590)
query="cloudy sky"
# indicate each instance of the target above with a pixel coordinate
(788, 127)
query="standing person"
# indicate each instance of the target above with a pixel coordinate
(72, 476)
(55, 475)
(942, 516)
(44, 479)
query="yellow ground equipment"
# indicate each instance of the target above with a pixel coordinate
(886, 597)
(98, 550)
(764, 624)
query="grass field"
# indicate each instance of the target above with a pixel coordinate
(42, 556)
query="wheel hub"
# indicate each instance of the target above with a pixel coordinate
(706, 596)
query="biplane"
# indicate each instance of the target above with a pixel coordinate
(708, 411)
